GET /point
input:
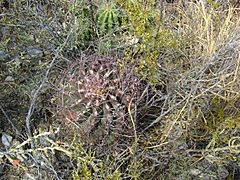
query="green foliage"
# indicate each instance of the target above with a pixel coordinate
(80, 24)
(213, 3)
(89, 167)
(231, 123)
(217, 114)
(143, 21)
(3, 43)
(85, 163)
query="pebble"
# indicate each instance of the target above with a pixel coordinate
(34, 51)
(4, 56)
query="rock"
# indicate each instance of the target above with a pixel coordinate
(1, 168)
(222, 173)
(9, 79)
(28, 176)
(4, 31)
(6, 140)
(34, 51)
(4, 56)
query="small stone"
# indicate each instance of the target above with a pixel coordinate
(6, 140)
(9, 79)
(4, 56)
(16, 58)
(28, 176)
(34, 51)
(195, 172)
(222, 172)
(1, 168)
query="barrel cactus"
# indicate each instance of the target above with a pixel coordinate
(108, 17)
(94, 97)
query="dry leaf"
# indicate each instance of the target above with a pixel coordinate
(15, 162)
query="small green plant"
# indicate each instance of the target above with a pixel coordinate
(108, 17)
(89, 167)
(80, 25)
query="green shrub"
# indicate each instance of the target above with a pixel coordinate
(143, 21)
